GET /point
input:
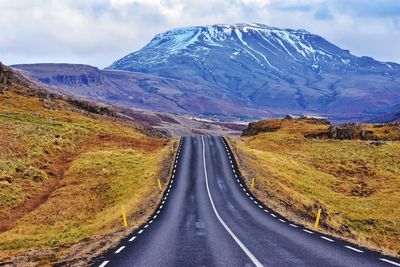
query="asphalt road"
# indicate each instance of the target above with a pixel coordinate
(208, 218)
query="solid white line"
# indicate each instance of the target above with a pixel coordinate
(354, 249)
(141, 231)
(282, 220)
(389, 261)
(327, 239)
(242, 246)
(308, 231)
(293, 225)
(104, 263)
(132, 238)
(119, 250)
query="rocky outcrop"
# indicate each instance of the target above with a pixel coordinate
(349, 132)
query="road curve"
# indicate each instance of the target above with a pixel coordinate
(208, 218)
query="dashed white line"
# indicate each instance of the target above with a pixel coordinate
(389, 261)
(260, 206)
(155, 216)
(242, 246)
(234, 171)
(104, 263)
(327, 239)
(141, 231)
(308, 231)
(238, 180)
(119, 250)
(255, 202)
(273, 215)
(251, 198)
(232, 166)
(282, 220)
(146, 226)
(158, 211)
(132, 238)
(354, 249)
(163, 202)
(169, 189)
(293, 225)
(241, 185)
(266, 210)
(161, 206)
(235, 176)
(151, 221)
(247, 194)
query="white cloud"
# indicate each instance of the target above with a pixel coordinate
(98, 32)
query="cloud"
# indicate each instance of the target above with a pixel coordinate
(98, 32)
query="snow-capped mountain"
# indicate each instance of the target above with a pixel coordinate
(279, 70)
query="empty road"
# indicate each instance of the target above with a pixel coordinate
(208, 218)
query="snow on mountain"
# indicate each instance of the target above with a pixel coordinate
(278, 70)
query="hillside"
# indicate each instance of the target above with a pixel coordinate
(66, 167)
(355, 181)
(139, 90)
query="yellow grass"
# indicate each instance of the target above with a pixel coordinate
(64, 175)
(356, 183)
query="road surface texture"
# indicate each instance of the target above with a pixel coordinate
(208, 218)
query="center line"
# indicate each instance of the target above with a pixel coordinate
(242, 246)
(119, 250)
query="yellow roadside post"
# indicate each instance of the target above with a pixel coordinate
(124, 215)
(159, 184)
(252, 184)
(317, 219)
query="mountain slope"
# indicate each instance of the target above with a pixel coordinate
(140, 90)
(271, 69)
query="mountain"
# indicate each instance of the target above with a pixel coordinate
(279, 70)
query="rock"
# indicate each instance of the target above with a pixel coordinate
(349, 131)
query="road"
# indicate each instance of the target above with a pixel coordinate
(208, 218)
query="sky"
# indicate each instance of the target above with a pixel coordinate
(98, 32)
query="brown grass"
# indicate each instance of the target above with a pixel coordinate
(64, 175)
(356, 183)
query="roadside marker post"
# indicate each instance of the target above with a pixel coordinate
(124, 215)
(159, 184)
(252, 184)
(317, 219)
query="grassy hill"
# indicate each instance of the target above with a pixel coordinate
(66, 167)
(298, 169)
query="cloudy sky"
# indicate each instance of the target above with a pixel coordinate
(98, 32)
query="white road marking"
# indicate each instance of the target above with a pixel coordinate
(241, 185)
(169, 189)
(389, 261)
(104, 263)
(234, 171)
(232, 166)
(273, 215)
(170, 185)
(242, 246)
(151, 221)
(235, 175)
(158, 211)
(354, 249)
(327, 239)
(255, 202)
(238, 180)
(308, 231)
(251, 198)
(141, 231)
(161, 206)
(266, 211)
(260, 206)
(174, 171)
(132, 238)
(119, 250)
(155, 216)
(293, 225)
(165, 197)
(282, 220)
(163, 202)
(146, 226)
(247, 194)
